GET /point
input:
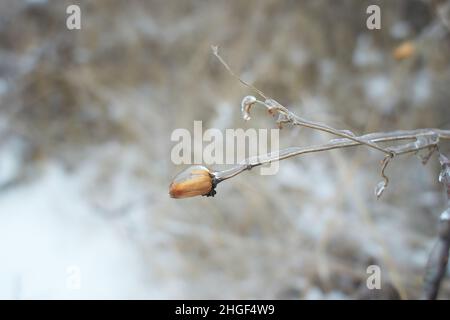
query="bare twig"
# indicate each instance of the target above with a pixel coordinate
(215, 50)
(438, 259)
(443, 13)
(383, 184)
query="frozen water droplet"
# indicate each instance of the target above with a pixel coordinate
(444, 175)
(381, 186)
(441, 176)
(420, 142)
(246, 105)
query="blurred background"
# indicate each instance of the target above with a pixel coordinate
(85, 123)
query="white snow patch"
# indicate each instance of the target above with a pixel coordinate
(48, 227)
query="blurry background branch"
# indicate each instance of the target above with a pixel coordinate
(437, 262)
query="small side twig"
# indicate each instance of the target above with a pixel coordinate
(383, 184)
(215, 50)
(437, 262)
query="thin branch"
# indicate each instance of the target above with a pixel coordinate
(274, 106)
(376, 137)
(215, 50)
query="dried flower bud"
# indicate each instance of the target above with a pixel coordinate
(194, 181)
(246, 105)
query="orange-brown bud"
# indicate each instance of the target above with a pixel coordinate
(194, 181)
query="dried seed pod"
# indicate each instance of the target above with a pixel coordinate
(194, 181)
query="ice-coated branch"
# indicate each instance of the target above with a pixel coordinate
(420, 139)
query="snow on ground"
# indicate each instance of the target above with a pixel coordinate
(54, 243)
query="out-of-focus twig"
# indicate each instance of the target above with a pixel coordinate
(443, 13)
(438, 259)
